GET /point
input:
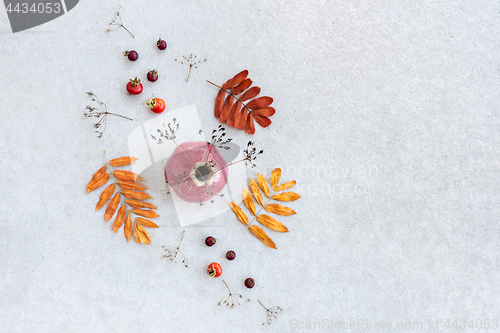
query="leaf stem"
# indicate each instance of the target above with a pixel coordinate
(122, 26)
(257, 213)
(118, 115)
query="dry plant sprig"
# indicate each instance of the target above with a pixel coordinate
(100, 112)
(232, 299)
(173, 251)
(266, 220)
(117, 23)
(240, 108)
(271, 313)
(191, 62)
(131, 193)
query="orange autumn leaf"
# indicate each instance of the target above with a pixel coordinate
(101, 181)
(105, 195)
(97, 175)
(247, 199)
(127, 230)
(136, 233)
(143, 234)
(127, 175)
(146, 223)
(286, 186)
(262, 121)
(275, 177)
(140, 204)
(263, 185)
(256, 191)
(271, 223)
(111, 209)
(136, 195)
(126, 160)
(120, 216)
(150, 214)
(129, 185)
(239, 213)
(279, 209)
(262, 236)
(237, 79)
(286, 196)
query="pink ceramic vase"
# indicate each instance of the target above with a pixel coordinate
(193, 171)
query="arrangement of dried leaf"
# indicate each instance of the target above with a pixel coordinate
(132, 195)
(238, 114)
(266, 220)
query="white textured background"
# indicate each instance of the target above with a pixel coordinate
(387, 117)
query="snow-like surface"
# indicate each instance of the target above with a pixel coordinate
(387, 118)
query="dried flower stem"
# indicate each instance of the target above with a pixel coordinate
(191, 63)
(271, 313)
(232, 299)
(118, 23)
(100, 112)
(172, 252)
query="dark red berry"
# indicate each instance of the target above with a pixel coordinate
(249, 283)
(210, 241)
(162, 45)
(152, 75)
(230, 255)
(132, 55)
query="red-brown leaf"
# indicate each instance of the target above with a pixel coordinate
(241, 87)
(264, 112)
(226, 108)
(218, 103)
(241, 119)
(237, 79)
(250, 126)
(260, 102)
(250, 93)
(231, 119)
(262, 121)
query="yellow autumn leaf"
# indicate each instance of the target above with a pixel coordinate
(286, 196)
(271, 223)
(286, 186)
(279, 209)
(254, 187)
(275, 177)
(239, 213)
(263, 185)
(262, 236)
(247, 199)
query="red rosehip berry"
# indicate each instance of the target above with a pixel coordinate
(161, 44)
(249, 283)
(230, 255)
(214, 269)
(134, 87)
(132, 55)
(152, 75)
(209, 241)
